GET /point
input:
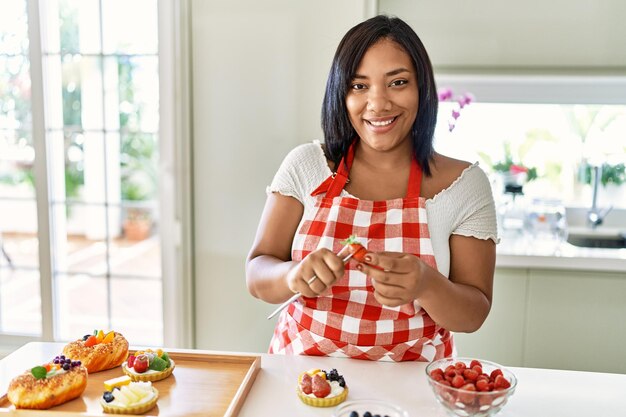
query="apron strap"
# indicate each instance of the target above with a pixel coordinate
(333, 185)
(415, 180)
(336, 182)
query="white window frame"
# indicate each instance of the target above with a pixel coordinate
(176, 169)
(539, 89)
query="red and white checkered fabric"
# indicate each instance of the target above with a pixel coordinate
(346, 320)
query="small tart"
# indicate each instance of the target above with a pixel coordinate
(323, 402)
(149, 375)
(131, 409)
(337, 395)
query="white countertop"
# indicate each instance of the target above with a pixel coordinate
(539, 393)
(525, 253)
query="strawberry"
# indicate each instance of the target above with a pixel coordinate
(91, 341)
(131, 361)
(437, 374)
(474, 363)
(470, 374)
(306, 383)
(501, 383)
(141, 364)
(321, 387)
(482, 385)
(458, 381)
(494, 374)
(355, 248)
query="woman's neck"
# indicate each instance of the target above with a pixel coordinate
(392, 160)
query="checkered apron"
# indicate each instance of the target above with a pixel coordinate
(346, 320)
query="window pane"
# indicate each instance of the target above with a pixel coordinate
(81, 305)
(20, 300)
(559, 141)
(130, 27)
(82, 92)
(15, 106)
(137, 252)
(13, 27)
(81, 246)
(139, 93)
(18, 233)
(16, 165)
(79, 30)
(136, 309)
(139, 166)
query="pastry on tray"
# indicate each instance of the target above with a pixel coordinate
(131, 398)
(99, 351)
(322, 389)
(149, 365)
(51, 384)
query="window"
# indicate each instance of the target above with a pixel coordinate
(98, 164)
(560, 126)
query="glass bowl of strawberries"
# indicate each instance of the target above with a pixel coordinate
(470, 387)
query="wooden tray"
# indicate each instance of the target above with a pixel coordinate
(204, 383)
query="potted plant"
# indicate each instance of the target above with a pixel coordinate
(139, 185)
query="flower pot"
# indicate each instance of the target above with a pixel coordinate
(137, 229)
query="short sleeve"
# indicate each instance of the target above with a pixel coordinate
(302, 170)
(477, 216)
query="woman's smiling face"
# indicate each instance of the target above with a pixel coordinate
(383, 99)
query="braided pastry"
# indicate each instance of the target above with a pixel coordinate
(100, 356)
(27, 391)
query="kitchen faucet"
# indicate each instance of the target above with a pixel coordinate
(595, 215)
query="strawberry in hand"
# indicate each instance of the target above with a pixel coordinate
(355, 248)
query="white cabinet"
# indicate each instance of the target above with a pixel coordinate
(535, 35)
(576, 320)
(501, 337)
(554, 319)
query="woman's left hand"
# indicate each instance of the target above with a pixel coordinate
(397, 277)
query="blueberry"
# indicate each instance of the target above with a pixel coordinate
(354, 414)
(66, 366)
(333, 375)
(376, 415)
(74, 363)
(108, 396)
(68, 361)
(78, 363)
(342, 383)
(367, 414)
(56, 360)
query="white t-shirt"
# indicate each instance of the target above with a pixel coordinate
(465, 208)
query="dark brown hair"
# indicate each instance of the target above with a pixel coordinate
(338, 131)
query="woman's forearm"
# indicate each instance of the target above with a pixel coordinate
(454, 306)
(266, 278)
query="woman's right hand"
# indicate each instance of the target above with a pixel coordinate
(321, 263)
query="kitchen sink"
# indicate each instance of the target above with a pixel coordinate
(610, 234)
(599, 241)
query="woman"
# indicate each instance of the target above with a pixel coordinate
(429, 220)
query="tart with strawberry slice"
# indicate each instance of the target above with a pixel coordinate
(322, 389)
(132, 398)
(48, 385)
(149, 365)
(99, 351)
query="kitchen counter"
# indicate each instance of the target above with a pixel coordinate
(540, 392)
(525, 253)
